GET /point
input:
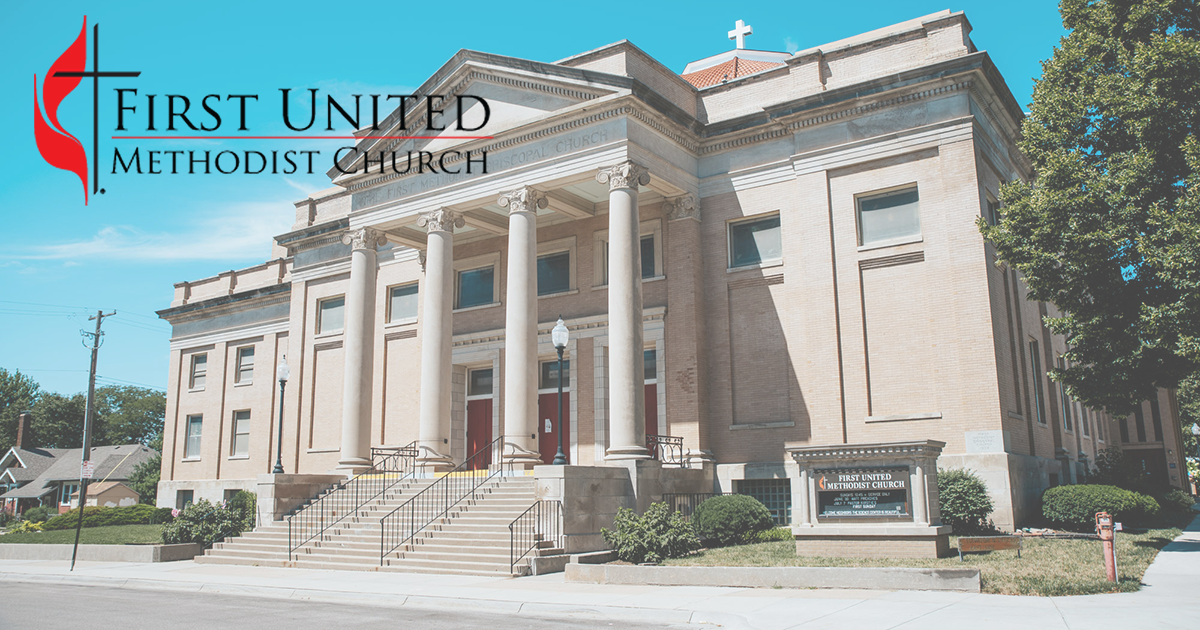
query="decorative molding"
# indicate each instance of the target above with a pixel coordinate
(403, 334)
(364, 238)
(328, 345)
(761, 281)
(193, 342)
(685, 207)
(421, 256)
(441, 220)
(523, 199)
(627, 174)
(891, 261)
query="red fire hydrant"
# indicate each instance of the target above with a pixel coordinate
(1104, 527)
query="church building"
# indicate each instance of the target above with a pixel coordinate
(764, 250)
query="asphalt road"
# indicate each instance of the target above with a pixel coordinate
(50, 605)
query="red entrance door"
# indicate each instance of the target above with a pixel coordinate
(652, 409)
(548, 426)
(479, 430)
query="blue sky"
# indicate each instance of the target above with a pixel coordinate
(60, 260)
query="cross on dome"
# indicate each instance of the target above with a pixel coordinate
(739, 33)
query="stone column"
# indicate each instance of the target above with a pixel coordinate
(804, 507)
(627, 386)
(917, 488)
(520, 327)
(437, 335)
(358, 347)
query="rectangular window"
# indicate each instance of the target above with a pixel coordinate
(1068, 422)
(1084, 421)
(648, 270)
(1038, 394)
(755, 241)
(888, 217)
(479, 383)
(1141, 423)
(651, 358)
(1156, 419)
(245, 366)
(554, 273)
(549, 375)
(199, 370)
(476, 287)
(1125, 429)
(402, 303)
(183, 498)
(331, 315)
(68, 489)
(993, 211)
(241, 434)
(775, 494)
(191, 448)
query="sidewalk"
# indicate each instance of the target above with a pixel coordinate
(1167, 601)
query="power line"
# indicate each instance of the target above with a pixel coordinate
(125, 382)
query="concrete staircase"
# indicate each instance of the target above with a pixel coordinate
(472, 538)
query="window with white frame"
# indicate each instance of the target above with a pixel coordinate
(755, 241)
(889, 217)
(245, 366)
(402, 303)
(331, 315)
(475, 287)
(68, 489)
(554, 273)
(650, 250)
(240, 445)
(191, 447)
(184, 498)
(650, 356)
(479, 382)
(548, 374)
(199, 371)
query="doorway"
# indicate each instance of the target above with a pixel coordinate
(479, 416)
(548, 425)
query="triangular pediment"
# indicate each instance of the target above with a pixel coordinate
(517, 92)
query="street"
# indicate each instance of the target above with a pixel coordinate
(39, 605)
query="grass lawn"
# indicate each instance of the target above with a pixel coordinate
(114, 535)
(1046, 566)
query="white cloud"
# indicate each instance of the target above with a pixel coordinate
(790, 45)
(306, 189)
(238, 232)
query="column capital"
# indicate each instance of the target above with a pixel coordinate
(627, 174)
(441, 220)
(684, 207)
(364, 238)
(523, 199)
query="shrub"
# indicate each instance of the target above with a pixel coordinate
(5, 518)
(651, 537)
(40, 514)
(246, 504)
(25, 527)
(1114, 469)
(770, 535)
(964, 500)
(207, 523)
(730, 519)
(1075, 507)
(94, 516)
(1176, 505)
(163, 515)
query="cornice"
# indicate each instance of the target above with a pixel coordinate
(262, 296)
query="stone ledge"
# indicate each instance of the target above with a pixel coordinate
(102, 553)
(874, 578)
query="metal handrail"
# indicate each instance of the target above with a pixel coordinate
(667, 449)
(541, 522)
(389, 466)
(399, 526)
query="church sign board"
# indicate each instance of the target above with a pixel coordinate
(858, 493)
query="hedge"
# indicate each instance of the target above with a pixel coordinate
(1075, 507)
(94, 516)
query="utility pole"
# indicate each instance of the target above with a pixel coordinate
(85, 465)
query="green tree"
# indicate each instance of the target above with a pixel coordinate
(131, 414)
(1109, 231)
(144, 479)
(58, 421)
(18, 392)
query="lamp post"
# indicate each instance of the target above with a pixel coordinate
(559, 337)
(1196, 435)
(281, 373)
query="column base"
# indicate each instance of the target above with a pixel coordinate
(431, 461)
(353, 466)
(619, 453)
(522, 458)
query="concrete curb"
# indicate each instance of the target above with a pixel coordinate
(507, 607)
(890, 578)
(102, 553)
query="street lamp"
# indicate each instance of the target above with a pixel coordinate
(558, 337)
(281, 373)
(1196, 435)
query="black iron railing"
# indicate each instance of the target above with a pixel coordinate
(686, 503)
(400, 525)
(541, 523)
(667, 449)
(389, 466)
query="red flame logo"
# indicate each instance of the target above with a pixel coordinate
(58, 147)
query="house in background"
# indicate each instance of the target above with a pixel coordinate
(109, 494)
(32, 476)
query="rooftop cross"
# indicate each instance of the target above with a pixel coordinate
(740, 32)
